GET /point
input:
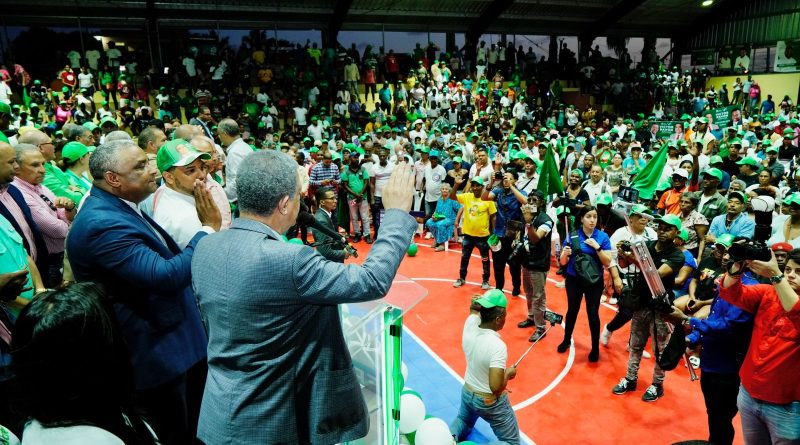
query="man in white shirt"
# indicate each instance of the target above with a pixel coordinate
(742, 63)
(92, 56)
(432, 183)
(484, 393)
(300, 114)
(237, 150)
(481, 167)
(176, 202)
(207, 146)
(85, 79)
(379, 177)
(113, 55)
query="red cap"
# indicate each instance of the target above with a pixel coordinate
(782, 247)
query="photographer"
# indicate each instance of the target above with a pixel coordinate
(646, 320)
(509, 200)
(534, 256)
(769, 397)
(724, 337)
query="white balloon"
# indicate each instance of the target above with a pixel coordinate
(404, 371)
(433, 431)
(412, 411)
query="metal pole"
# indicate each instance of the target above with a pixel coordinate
(80, 33)
(158, 40)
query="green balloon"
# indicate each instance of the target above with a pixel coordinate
(412, 249)
(296, 241)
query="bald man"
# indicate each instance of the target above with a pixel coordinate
(54, 178)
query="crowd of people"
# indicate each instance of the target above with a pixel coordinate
(124, 195)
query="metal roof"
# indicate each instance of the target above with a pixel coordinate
(654, 18)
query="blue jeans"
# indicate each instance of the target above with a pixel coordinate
(768, 423)
(498, 414)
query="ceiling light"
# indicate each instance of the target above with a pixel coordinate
(707, 3)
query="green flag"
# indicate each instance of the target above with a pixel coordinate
(549, 179)
(26, 99)
(648, 178)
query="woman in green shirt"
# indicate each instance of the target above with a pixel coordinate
(75, 158)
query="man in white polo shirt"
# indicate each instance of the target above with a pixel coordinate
(484, 392)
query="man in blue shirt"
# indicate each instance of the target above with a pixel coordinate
(509, 201)
(724, 337)
(735, 222)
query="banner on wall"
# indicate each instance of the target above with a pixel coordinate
(785, 58)
(704, 57)
(722, 117)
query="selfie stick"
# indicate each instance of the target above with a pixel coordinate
(553, 322)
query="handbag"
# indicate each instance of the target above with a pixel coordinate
(588, 271)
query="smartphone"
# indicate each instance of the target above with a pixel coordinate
(122, 68)
(166, 70)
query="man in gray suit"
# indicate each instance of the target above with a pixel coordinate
(327, 200)
(279, 370)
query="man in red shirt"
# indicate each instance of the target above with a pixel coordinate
(68, 78)
(392, 67)
(769, 398)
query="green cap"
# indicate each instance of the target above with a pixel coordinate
(435, 154)
(670, 219)
(577, 171)
(424, 149)
(736, 141)
(457, 159)
(788, 133)
(313, 149)
(493, 298)
(477, 180)
(91, 126)
(793, 198)
(715, 172)
(716, 159)
(4, 108)
(108, 120)
(641, 210)
(773, 149)
(604, 199)
(684, 235)
(726, 239)
(748, 161)
(736, 194)
(73, 151)
(177, 153)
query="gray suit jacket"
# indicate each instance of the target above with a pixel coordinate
(326, 250)
(278, 367)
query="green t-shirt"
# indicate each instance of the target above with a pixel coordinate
(355, 180)
(604, 158)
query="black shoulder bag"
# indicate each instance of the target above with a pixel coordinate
(588, 271)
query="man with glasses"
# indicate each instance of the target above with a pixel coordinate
(52, 214)
(327, 203)
(54, 179)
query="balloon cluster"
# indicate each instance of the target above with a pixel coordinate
(418, 428)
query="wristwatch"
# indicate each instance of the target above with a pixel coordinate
(598, 248)
(776, 279)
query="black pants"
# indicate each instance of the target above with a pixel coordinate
(621, 319)
(470, 243)
(377, 208)
(173, 409)
(55, 270)
(499, 261)
(575, 295)
(720, 392)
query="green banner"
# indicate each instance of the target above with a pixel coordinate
(723, 116)
(704, 57)
(665, 128)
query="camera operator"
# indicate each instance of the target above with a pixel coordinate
(534, 256)
(639, 216)
(769, 397)
(509, 201)
(646, 320)
(724, 337)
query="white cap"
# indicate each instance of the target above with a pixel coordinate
(680, 172)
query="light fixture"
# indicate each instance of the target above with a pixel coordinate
(707, 3)
(98, 38)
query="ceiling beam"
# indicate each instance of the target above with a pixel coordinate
(609, 18)
(335, 24)
(492, 12)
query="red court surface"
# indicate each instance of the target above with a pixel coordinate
(558, 398)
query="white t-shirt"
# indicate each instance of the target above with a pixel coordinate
(36, 434)
(483, 349)
(596, 189)
(113, 56)
(74, 59)
(625, 234)
(300, 114)
(92, 56)
(486, 172)
(188, 62)
(176, 214)
(85, 80)
(381, 175)
(433, 182)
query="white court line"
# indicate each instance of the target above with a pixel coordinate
(606, 305)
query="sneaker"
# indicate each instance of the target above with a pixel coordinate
(458, 283)
(428, 235)
(368, 239)
(357, 238)
(526, 323)
(439, 248)
(537, 335)
(694, 361)
(515, 292)
(653, 393)
(624, 386)
(485, 285)
(612, 300)
(605, 336)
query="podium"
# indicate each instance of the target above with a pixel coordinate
(373, 332)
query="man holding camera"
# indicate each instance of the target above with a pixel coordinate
(533, 251)
(509, 200)
(646, 320)
(769, 397)
(484, 392)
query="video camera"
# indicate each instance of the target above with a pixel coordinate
(553, 318)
